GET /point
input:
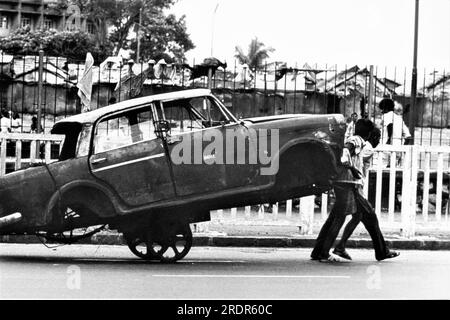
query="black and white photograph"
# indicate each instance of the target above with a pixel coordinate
(224, 155)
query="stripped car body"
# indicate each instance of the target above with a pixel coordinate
(117, 167)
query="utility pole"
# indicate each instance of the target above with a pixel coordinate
(412, 108)
(212, 29)
(19, 15)
(41, 22)
(39, 98)
(371, 91)
(40, 85)
(138, 35)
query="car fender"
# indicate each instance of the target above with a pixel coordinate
(94, 188)
(302, 141)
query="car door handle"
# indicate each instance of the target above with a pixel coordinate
(98, 160)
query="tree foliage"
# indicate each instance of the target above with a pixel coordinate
(162, 35)
(70, 44)
(255, 56)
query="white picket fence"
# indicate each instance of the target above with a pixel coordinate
(12, 149)
(416, 166)
(426, 167)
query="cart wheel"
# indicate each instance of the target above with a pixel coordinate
(139, 245)
(174, 246)
(167, 247)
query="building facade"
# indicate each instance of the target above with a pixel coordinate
(37, 14)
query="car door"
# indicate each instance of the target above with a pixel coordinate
(239, 142)
(194, 171)
(130, 158)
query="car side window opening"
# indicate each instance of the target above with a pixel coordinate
(210, 110)
(192, 114)
(181, 116)
(124, 129)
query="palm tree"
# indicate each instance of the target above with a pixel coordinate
(257, 53)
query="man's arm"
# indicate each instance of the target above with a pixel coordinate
(347, 153)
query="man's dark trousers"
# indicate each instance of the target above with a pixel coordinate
(328, 234)
(336, 219)
(366, 214)
(330, 229)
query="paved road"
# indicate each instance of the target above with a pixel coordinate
(103, 272)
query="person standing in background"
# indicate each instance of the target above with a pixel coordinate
(351, 125)
(393, 129)
(34, 125)
(16, 123)
(5, 122)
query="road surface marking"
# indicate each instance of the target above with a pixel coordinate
(245, 276)
(211, 261)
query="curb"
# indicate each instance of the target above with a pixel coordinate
(244, 241)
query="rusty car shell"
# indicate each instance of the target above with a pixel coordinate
(127, 196)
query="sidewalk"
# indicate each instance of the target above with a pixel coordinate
(265, 235)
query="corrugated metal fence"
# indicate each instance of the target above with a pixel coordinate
(272, 89)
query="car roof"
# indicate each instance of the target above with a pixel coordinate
(91, 116)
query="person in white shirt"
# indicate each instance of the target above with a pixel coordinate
(15, 122)
(351, 125)
(5, 122)
(394, 129)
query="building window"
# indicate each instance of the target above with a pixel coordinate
(49, 24)
(3, 22)
(72, 25)
(90, 28)
(25, 22)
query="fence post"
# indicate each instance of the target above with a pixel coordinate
(48, 148)
(288, 208)
(33, 146)
(3, 157)
(406, 194)
(324, 206)
(439, 176)
(275, 210)
(247, 211)
(413, 197)
(18, 163)
(261, 211)
(378, 187)
(426, 187)
(220, 214)
(392, 178)
(306, 209)
(233, 212)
